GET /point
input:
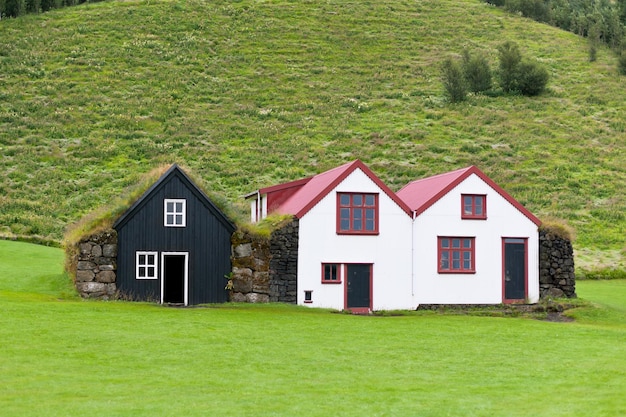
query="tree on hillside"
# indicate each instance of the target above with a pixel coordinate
(453, 80)
(510, 58)
(477, 72)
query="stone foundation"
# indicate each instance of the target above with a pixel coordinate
(96, 265)
(556, 266)
(284, 263)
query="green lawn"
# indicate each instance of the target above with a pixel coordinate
(62, 356)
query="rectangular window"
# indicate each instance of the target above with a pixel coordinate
(175, 213)
(473, 206)
(357, 213)
(331, 274)
(456, 255)
(308, 297)
(146, 265)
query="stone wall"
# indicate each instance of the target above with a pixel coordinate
(96, 265)
(249, 280)
(284, 263)
(265, 269)
(556, 266)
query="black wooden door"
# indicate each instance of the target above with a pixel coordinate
(514, 269)
(174, 279)
(358, 291)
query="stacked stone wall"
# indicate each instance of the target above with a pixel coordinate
(96, 265)
(284, 263)
(265, 269)
(556, 266)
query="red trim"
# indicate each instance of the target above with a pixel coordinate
(358, 310)
(335, 182)
(461, 250)
(352, 207)
(462, 175)
(338, 271)
(504, 299)
(473, 215)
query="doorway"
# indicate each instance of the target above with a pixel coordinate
(358, 297)
(514, 274)
(174, 280)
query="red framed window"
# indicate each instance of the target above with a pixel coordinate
(473, 206)
(456, 255)
(357, 213)
(331, 274)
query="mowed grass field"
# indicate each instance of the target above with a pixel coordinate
(62, 356)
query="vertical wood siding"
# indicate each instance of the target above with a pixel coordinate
(206, 238)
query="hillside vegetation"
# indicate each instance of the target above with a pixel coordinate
(251, 93)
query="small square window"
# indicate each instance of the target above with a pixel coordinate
(331, 274)
(175, 213)
(308, 297)
(146, 265)
(473, 206)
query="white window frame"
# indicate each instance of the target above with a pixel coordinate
(182, 213)
(147, 265)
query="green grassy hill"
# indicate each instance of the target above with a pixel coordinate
(250, 93)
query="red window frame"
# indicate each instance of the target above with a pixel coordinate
(474, 206)
(331, 273)
(357, 213)
(456, 255)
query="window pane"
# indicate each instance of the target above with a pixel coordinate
(142, 259)
(370, 215)
(150, 259)
(357, 200)
(478, 206)
(179, 219)
(170, 207)
(151, 271)
(456, 255)
(370, 200)
(467, 205)
(169, 219)
(179, 207)
(467, 243)
(345, 219)
(456, 264)
(142, 271)
(445, 263)
(344, 199)
(456, 243)
(358, 219)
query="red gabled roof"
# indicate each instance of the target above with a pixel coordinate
(320, 185)
(421, 194)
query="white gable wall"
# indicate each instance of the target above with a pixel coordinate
(389, 251)
(443, 218)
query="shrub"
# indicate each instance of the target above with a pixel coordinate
(453, 80)
(477, 72)
(532, 78)
(622, 63)
(510, 58)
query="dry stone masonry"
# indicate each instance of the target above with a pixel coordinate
(96, 265)
(556, 266)
(265, 269)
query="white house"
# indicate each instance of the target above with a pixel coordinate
(455, 238)
(354, 239)
(473, 243)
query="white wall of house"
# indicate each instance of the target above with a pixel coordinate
(443, 218)
(389, 251)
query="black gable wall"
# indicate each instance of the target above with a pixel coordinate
(206, 238)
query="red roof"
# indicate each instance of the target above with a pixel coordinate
(421, 194)
(317, 187)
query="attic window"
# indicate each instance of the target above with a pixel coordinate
(357, 213)
(175, 215)
(473, 206)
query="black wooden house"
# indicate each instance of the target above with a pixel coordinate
(174, 245)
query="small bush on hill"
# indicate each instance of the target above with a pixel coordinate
(510, 58)
(520, 76)
(453, 80)
(532, 78)
(477, 72)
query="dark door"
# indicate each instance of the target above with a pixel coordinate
(358, 294)
(514, 269)
(174, 279)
